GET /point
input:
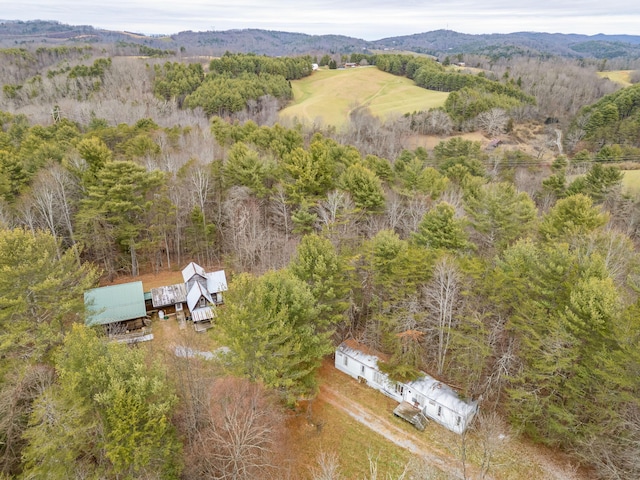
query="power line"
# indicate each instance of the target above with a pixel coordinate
(530, 163)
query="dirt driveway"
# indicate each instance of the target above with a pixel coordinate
(412, 442)
(421, 447)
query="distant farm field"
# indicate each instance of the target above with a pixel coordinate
(631, 182)
(619, 76)
(329, 96)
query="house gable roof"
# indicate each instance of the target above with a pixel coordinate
(115, 303)
(191, 270)
(361, 352)
(194, 295)
(217, 282)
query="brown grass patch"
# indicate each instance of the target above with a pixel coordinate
(318, 426)
(149, 280)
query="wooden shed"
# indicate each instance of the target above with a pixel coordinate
(120, 310)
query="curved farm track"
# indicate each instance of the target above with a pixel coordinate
(412, 442)
(551, 467)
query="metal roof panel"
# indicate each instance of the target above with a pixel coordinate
(114, 303)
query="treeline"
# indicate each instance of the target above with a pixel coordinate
(233, 80)
(430, 74)
(291, 68)
(612, 125)
(18, 64)
(472, 94)
(80, 80)
(145, 49)
(561, 86)
(525, 299)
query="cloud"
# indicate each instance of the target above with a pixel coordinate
(371, 20)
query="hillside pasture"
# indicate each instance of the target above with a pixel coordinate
(631, 182)
(329, 96)
(620, 77)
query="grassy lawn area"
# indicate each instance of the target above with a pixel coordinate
(330, 95)
(512, 459)
(329, 429)
(618, 76)
(631, 182)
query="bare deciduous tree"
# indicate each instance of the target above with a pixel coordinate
(415, 210)
(50, 205)
(373, 470)
(336, 217)
(244, 436)
(281, 210)
(200, 188)
(442, 296)
(616, 457)
(490, 430)
(327, 468)
(492, 122)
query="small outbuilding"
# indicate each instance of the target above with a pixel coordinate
(170, 299)
(170, 295)
(120, 310)
(425, 398)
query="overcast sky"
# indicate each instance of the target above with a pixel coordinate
(367, 19)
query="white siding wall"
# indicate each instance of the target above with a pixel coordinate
(445, 417)
(440, 413)
(375, 379)
(348, 365)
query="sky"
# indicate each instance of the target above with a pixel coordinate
(365, 19)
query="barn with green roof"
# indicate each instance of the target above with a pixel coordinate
(120, 309)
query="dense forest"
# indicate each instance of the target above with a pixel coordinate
(511, 274)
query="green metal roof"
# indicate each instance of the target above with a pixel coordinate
(114, 303)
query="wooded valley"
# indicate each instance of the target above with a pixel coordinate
(507, 267)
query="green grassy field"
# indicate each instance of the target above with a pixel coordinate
(330, 95)
(618, 76)
(631, 182)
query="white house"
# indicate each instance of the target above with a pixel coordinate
(204, 292)
(426, 396)
(216, 284)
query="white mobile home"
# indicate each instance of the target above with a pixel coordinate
(427, 396)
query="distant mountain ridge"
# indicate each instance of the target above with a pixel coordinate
(267, 42)
(569, 45)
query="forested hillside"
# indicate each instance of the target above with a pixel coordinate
(510, 272)
(273, 43)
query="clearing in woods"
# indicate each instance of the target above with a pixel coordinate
(631, 182)
(618, 76)
(356, 422)
(329, 96)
